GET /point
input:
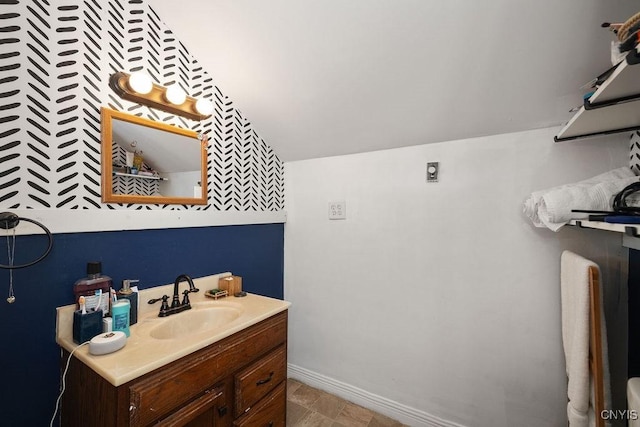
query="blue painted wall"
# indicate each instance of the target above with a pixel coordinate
(29, 356)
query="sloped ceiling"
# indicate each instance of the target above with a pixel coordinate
(332, 77)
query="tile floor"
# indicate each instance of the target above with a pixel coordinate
(308, 406)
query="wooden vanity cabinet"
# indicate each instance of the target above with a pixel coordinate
(239, 381)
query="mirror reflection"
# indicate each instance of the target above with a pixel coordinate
(150, 162)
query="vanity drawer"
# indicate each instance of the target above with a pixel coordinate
(270, 412)
(205, 410)
(258, 379)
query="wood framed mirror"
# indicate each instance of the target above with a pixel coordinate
(144, 161)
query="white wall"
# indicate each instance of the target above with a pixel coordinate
(440, 303)
(180, 184)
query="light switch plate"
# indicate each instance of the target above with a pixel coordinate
(338, 210)
(433, 168)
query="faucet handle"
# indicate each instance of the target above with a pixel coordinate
(185, 300)
(163, 298)
(165, 305)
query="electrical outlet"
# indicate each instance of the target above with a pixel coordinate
(432, 171)
(338, 210)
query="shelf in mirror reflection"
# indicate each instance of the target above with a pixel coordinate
(135, 175)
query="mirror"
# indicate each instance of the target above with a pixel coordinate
(151, 162)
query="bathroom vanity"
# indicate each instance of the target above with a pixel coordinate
(236, 377)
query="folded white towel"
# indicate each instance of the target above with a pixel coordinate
(531, 206)
(575, 299)
(576, 419)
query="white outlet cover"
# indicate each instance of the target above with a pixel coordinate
(338, 210)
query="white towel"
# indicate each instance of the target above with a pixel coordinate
(533, 202)
(574, 284)
(556, 212)
(555, 207)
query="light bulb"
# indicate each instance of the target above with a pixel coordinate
(204, 107)
(175, 95)
(140, 82)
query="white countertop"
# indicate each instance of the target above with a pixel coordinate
(143, 353)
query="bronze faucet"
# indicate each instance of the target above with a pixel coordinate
(176, 305)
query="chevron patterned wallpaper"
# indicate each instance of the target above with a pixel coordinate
(55, 61)
(634, 152)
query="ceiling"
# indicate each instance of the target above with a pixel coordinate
(333, 77)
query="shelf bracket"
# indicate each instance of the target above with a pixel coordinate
(589, 135)
(631, 231)
(594, 106)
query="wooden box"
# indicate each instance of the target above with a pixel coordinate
(231, 284)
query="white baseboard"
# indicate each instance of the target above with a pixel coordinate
(403, 413)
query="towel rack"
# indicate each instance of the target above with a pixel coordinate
(595, 344)
(8, 221)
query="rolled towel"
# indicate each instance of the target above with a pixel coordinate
(532, 204)
(556, 205)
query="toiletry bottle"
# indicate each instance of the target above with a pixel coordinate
(94, 287)
(138, 160)
(127, 293)
(120, 315)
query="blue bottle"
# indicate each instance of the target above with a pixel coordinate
(120, 315)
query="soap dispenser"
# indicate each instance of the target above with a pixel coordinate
(127, 293)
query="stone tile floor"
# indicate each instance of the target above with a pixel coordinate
(308, 406)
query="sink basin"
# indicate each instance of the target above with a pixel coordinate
(194, 321)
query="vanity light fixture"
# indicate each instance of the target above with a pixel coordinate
(140, 83)
(204, 107)
(172, 99)
(175, 95)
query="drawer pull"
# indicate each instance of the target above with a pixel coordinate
(222, 411)
(266, 380)
(270, 423)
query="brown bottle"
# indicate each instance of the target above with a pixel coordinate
(95, 288)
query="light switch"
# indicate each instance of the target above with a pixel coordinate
(432, 171)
